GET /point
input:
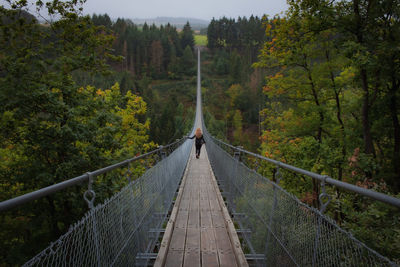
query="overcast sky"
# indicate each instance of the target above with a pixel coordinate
(202, 9)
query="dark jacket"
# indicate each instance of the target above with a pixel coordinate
(199, 141)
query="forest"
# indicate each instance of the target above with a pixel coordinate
(318, 88)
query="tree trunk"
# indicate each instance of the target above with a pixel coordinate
(338, 212)
(316, 101)
(368, 145)
(315, 183)
(53, 218)
(396, 136)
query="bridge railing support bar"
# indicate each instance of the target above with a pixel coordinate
(89, 197)
(278, 177)
(323, 205)
(235, 176)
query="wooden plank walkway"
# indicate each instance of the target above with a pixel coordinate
(200, 231)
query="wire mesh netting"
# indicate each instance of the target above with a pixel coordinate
(113, 233)
(284, 231)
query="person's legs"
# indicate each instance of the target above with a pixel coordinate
(198, 151)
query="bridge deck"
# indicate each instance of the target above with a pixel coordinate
(200, 231)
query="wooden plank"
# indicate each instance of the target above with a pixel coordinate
(184, 205)
(200, 234)
(194, 211)
(204, 204)
(194, 219)
(218, 219)
(192, 239)
(212, 196)
(208, 242)
(209, 259)
(166, 241)
(205, 219)
(174, 259)
(227, 259)
(182, 219)
(192, 248)
(178, 239)
(191, 259)
(225, 252)
(222, 238)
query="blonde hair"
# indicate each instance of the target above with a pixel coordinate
(198, 133)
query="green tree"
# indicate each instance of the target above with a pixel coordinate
(237, 127)
(187, 38)
(329, 104)
(188, 61)
(53, 129)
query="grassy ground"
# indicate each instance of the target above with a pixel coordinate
(200, 40)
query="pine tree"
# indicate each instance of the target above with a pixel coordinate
(187, 38)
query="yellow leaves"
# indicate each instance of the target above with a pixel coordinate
(267, 89)
(5, 118)
(58, 93)
(278, 75)
(120, 123)
(100, 92)
(234, 92)
(48, 124)
(295, 141)
(267, 154)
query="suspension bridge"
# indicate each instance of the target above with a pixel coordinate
(211, 211)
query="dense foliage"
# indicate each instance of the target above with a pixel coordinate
(329, 103)
(158, 52)
(333, 107)
(78, 93)
(54, 124)
(231, 87)
(158, 64)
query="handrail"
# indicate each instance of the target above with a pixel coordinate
(323, 178)
(11, 203)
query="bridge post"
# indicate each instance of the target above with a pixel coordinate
(163, 154)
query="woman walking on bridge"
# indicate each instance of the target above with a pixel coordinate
(199, 141)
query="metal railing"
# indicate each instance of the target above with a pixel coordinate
(126, 225)
(322, 178)
(156, 155)
(280, 230)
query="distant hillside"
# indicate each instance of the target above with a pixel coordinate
(196, 24)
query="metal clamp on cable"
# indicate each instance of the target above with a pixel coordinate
(128, 172)
(256, 165)
(89, 195)
(278, 175)
(323, 196)
(236, 154)
(162, 153)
